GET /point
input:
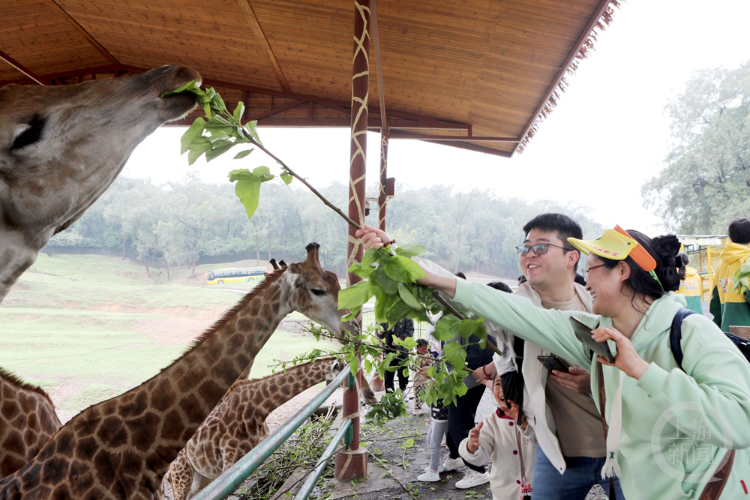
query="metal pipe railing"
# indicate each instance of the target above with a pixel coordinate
(314, 475)
(224, 485)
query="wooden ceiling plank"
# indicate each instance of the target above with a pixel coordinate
(263, 41)
(61, 12)
(20, 67)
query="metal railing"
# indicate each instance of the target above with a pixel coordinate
(224, 485)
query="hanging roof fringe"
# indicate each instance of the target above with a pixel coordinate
(586, 48)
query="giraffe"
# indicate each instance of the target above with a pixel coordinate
(238, 424)
(27, 421)
(121, 448)
(62, 146)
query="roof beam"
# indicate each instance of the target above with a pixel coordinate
(61, 12)
(263, 41)
(397, 134)
(20, 67)
(378, 62)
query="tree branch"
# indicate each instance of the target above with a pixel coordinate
(303, 181)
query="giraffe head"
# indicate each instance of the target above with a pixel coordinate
(62, 146)
(313, 291)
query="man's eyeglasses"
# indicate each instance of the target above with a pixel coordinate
(539, 249)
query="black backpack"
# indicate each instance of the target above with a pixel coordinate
(675, 336)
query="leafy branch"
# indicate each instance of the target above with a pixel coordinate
(219, 131)
(391, 274)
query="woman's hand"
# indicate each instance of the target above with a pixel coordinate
(372, 237)
(627, 358)
(473, 443)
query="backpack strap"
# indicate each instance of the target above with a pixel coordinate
(675, 335)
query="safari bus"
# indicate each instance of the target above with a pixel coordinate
(233, 275)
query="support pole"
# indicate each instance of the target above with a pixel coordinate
(384, 136)
(352, 462)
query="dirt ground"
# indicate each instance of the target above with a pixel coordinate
(387, 442)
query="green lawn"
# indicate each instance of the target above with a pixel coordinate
(88, 327)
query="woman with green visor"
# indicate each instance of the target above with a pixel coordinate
(673, 428)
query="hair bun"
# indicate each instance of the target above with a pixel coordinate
(666, 249)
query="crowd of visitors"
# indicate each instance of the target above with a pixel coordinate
(591, 388)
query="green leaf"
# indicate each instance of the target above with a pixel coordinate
(455, 354)
(395, 270)
(355, 296)
(238, 111)
(263, 173)
(218, 149)
(286, 177)
(408, 298)
(368, 366)
(410, 442)
(410, 250)
(446, 327)
(412, 268)
(383, 281)
(197, 148)
(193, 132)
(397, 311)
(370, 257)
(248, 191)
(243, 154)
(352, 315)
(188, 87)
(409, 343)
(250, 127)
(467, 327)
(217, 103)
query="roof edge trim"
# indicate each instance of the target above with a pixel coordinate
(603, 17)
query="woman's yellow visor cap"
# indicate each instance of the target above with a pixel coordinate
(616, 244)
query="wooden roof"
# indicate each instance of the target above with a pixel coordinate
(479, 68)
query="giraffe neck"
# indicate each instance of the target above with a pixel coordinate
(267, 394)
(196, 382)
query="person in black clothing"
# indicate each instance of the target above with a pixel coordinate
(401, 330)
(461, 415)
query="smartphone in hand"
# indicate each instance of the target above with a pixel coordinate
(583, 333)
(553, 363)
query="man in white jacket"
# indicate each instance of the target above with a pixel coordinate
(568, 427)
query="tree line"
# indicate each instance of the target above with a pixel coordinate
(706, 182)
(190, 222)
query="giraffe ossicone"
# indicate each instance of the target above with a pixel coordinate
(121, 448)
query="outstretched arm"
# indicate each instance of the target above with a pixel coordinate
(551, 329)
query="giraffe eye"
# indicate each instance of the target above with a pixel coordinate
(318, 291)
(31, 135)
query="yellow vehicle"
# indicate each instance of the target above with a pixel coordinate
(233, 275)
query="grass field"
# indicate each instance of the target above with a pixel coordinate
(88, 327)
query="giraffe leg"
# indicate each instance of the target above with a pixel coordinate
(180, 476)
(199, 482)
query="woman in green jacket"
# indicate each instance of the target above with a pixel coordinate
(671, 427)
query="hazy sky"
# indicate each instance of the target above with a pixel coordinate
(608, 135)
